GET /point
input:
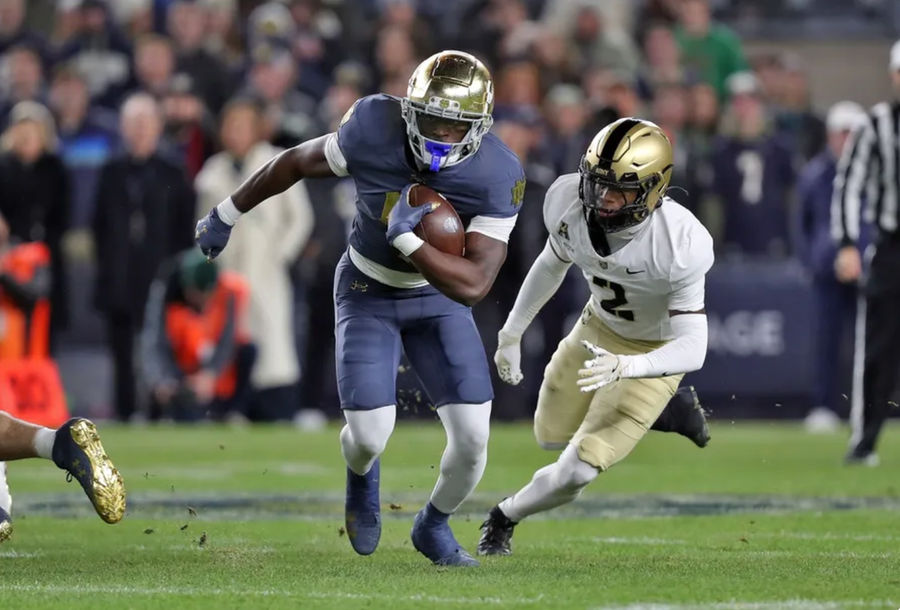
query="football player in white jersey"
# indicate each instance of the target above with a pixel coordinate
(645, 258)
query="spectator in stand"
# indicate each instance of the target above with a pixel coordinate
(795, 119)
(600, 43)
(518, 85)
(319, 45)
(709, 50)
(753, 175)
(87, 138)
(669, 110)
(663, 60)
(34, 192)
(187, 25)
(154, 64)
(189, 128)
(14, 32)
(395, 59)
(101, 52)
(566, 114)
(143, 215)
(289, 114)
(836, 301)
(223, 38)
(263, 255)
(196, 353)
(24, 79)
(699, 139)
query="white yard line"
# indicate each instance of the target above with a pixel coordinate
(207, 592)
(787, 604)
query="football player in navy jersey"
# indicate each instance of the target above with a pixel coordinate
(393, 292)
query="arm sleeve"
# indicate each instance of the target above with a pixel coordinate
(685, 353)
(688, 273)
(541, 283)
(850, 183)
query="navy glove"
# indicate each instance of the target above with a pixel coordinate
(404, 217)
(212, 234)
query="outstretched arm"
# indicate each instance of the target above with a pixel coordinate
(306, 160)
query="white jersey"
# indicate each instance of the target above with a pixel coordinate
(661, 268)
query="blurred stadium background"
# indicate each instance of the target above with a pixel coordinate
(745, 105)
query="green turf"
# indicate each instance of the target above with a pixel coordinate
(765, 517)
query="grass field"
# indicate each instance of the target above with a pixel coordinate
(766, 517)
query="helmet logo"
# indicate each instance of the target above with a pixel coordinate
(442, 103)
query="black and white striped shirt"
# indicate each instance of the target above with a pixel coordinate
(870, 165)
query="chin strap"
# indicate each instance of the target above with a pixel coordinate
(437, 151)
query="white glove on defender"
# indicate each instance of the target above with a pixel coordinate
(603, 369)
(508, 358)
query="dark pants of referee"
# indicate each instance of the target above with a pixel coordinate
(882, 353)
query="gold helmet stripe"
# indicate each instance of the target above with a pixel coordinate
(614, 139)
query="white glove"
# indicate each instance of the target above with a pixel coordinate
(508, 358)
(603, 369)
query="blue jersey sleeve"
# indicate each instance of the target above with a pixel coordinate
(503, 179)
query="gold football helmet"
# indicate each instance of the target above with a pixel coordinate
(627, 155)
(449, 89)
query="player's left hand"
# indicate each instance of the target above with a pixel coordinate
(604, 368)
(404, 217)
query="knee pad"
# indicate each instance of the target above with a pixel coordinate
(370, 430)
(595, 452)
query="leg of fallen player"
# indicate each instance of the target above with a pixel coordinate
(75, 447)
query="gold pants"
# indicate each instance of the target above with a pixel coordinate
(606, 424)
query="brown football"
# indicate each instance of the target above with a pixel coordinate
(442, 228)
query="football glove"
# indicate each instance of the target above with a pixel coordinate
(404, 217)
(604, 368)
(212, 234)
(508, 358)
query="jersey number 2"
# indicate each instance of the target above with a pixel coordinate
(612, 305)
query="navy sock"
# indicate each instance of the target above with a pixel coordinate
(433, 516)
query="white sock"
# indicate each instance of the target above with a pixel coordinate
(43, 442)
(366, 435)
(5, 497)
(551, 486)
(468, 428)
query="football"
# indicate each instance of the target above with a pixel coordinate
(442, 228)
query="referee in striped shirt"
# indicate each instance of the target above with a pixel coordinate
(869, 170)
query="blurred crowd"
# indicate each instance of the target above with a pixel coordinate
(125, 121)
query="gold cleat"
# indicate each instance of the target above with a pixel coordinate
(5, 526)
(77, 449)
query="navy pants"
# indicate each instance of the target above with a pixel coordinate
(374, 322)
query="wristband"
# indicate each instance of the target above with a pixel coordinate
(407, 243)
(228, 212)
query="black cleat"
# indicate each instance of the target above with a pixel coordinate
(496, 534)
(686, 416)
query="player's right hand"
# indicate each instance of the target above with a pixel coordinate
(508, 358)
(212, 234)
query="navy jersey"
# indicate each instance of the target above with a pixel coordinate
(373, 141)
